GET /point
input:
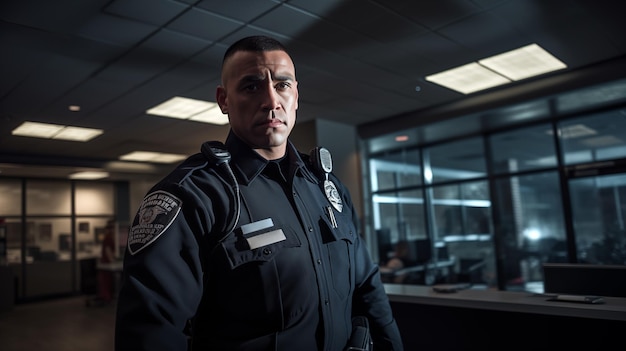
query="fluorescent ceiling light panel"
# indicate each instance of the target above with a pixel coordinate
(37, 130)
(148, 156)
(77, 134)
(522, 63)
(213, 115)
(191, 109)
(468, 78)
(55, 131)
(89, 175)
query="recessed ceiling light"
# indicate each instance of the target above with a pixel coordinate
(91, 175)
(522, 63)
(55, 131)
(149, 156)
(77, 133)
(213, 115)
(37, 130)
(468, 78)
(191, 109)
(525, 62)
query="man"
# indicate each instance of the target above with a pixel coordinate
(255, 256)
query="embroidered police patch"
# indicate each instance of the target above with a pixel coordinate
(156, 213)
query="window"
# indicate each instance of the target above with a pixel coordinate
(464, 159)
(599, 215)
(594, 138)
(523, 149)
(530, 226)
(395, 170)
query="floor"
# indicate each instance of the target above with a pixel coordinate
(64, 324)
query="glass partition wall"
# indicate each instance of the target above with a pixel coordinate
(53, 233)
(490, 209)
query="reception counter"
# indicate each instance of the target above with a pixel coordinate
(613, 308)
(491, 319)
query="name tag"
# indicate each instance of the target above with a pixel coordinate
(266, 238)
(256, 226)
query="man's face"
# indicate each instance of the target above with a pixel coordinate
(259, 93)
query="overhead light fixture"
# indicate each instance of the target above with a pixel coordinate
(90, 175)
(525, 62)
(55, 131)
(77, 133)
(468, 78)
(149, 156)
(190, 109)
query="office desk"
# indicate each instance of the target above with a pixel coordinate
(470, 319)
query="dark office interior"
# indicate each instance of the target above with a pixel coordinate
(508, 196)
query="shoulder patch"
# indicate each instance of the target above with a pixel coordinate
(156, 213)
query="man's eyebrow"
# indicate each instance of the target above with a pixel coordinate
(284, 77)
(260, 77)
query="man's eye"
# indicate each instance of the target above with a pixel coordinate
(251, 87)
(283, 85)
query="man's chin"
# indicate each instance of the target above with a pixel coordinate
(276, 136)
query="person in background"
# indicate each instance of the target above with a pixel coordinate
(249, 245)
(105, 276)
(396, 262)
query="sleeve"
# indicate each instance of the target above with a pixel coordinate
(162, 277)
(370, 298)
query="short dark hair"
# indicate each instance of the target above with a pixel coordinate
(256, 43)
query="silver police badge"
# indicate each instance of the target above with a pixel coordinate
(333, 195)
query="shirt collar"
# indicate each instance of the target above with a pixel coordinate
(247, 164)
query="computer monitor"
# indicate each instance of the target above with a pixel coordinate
(584, 279)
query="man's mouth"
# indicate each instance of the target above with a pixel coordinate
(274, 123)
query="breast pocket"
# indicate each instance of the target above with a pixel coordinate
(339, 247)
(259, 241)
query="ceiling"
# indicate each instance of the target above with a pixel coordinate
(358, 62)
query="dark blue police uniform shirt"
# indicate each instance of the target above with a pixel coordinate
(287, 277)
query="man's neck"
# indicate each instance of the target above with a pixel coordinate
(274, 153)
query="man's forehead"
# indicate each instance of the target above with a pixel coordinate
(248, 62)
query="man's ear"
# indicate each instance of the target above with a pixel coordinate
(220, 97)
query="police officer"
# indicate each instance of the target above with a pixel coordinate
(253, 246)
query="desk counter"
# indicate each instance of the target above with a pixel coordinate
(613, 308)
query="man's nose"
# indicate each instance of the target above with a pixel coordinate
(271, 99)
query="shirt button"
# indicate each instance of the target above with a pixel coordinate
(267, 251)
(319, 261)
(310, 229)
(326, 302)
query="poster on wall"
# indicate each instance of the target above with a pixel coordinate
(45, 232)
(83, 227)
